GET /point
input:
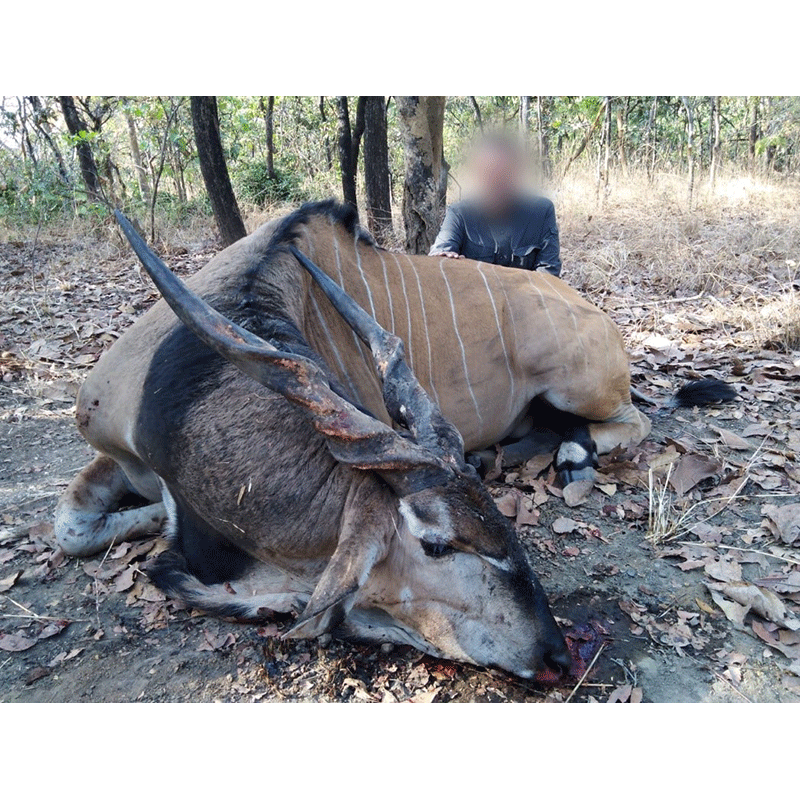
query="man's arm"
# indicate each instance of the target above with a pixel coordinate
(451, 236)
(549, 258)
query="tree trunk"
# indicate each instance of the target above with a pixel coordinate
(582, 146)
(77, 129)
(525, 115)
(753, 131)
(715, 145)
(347, 163)
(42, 126)
(477, 109)
(177, 172)
(622, 128)
(376, 169)
(650, 155)
(267, 112)
(205, 121)
(26, 139)
(136, 155)
(422, 126)
(543, 136)
(604, 154)
(689, 145)
(327, 142)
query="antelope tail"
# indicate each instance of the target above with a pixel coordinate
(700, 393)
(704, 393)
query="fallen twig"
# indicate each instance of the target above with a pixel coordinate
(741, 550)
(586, 672)
(723, 678)
(30, 613)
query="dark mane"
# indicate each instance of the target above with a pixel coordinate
(289, 229)
(260, 307)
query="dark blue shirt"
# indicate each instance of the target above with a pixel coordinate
(528, 238)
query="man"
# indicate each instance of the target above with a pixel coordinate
(501, 223)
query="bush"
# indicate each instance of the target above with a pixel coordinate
(32, 195)
(255, 185)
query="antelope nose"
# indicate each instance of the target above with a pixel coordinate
(557, 657)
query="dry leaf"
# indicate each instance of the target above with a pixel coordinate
(220, 641)
(65, 656)
(37, 673)
(724, 570)
(731, 439)
(564, 525)
(735, 612)
(53, 629)
(7, 582)
(507, 504)
(15, 642)
(692, 469)
(788, 645)
(764, 602)
(526, 516)
(427, 696)
(783, 521)
(622, 694)
(125, 579)
(661, 460)
(359, 689)
(535, 466)
(577, 492)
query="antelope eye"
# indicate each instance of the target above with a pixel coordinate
(436, 549)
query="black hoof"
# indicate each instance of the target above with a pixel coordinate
(576, 458)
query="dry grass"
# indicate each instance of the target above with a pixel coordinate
(665, 521)
(739, 246)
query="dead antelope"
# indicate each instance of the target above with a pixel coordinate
(298, 426)
(281, 487)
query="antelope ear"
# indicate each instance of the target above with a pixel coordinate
(362, 544)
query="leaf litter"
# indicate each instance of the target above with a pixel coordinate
(719, 457)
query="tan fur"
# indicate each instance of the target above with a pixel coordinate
(507, 336)
(483, 340)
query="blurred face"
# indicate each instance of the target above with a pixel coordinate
(497, 175)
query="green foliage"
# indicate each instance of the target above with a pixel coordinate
(32, 193)
(40, 174)
(255, 185)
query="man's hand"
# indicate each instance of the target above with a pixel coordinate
(450, 255)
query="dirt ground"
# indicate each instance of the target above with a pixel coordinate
(684, 556)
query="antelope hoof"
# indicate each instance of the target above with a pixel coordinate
(482, 461)
(576, 458)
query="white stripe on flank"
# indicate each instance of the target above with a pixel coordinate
(544, 305)
(461, 343)
(577, 332)
(508, 306)
(342, 369)
(424, 324)
(388, 291)
(499, 330)
(363, 276)
(408, 345)
(341, 281)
